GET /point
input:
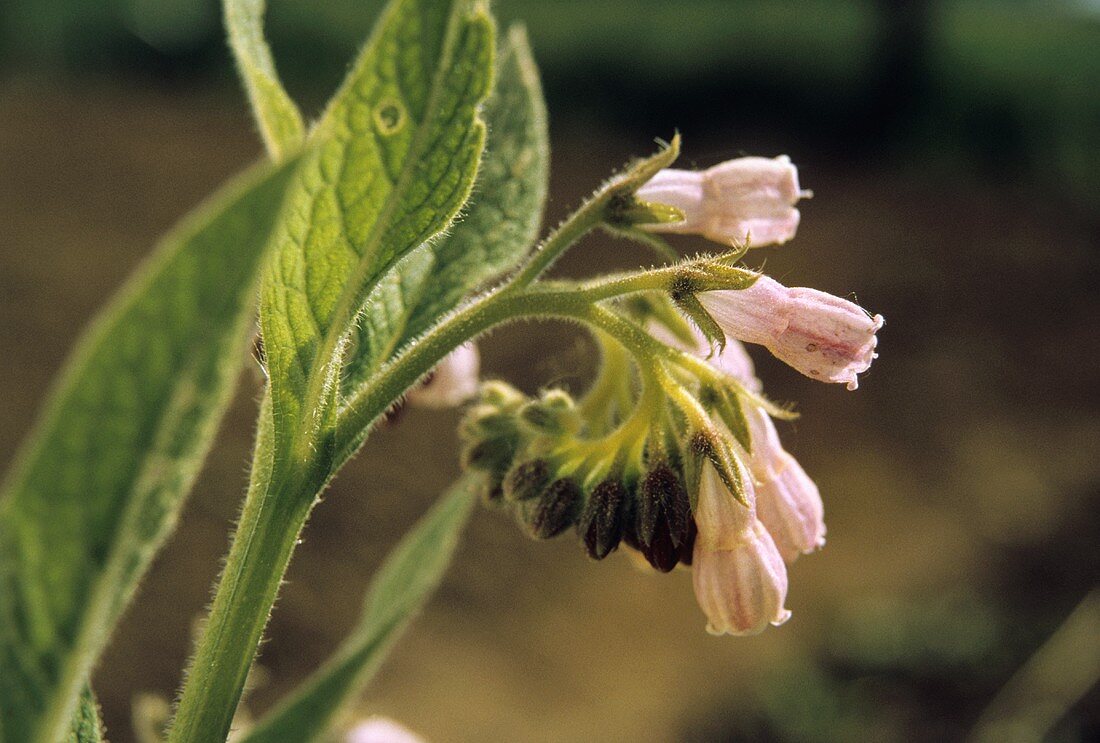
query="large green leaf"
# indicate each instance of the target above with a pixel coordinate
(401, 587)
(279, 120)
(498, 228)
(101, 481)
(396, 155)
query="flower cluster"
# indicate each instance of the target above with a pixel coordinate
(673, 452)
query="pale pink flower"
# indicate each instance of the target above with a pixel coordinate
(787, 500)
(739, 576)
(381, 730)
(750, 199)
(822, 336)
(453, 381)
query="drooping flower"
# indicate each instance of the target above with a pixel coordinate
(750, 199)
(453, 381)
(788, 502)
(739, 576)
(822, 336)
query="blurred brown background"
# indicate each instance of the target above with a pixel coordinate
(953, 149)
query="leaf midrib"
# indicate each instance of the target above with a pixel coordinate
(345, 307)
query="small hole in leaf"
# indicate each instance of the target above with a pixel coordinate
(389, 116)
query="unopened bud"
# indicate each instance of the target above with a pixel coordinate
(664, 516)
(541, 418)
(488, 455)
(601, 524)
(501, 395)
(554, 511)
(526, 480)
(487, 421)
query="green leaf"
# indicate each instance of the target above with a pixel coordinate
(499, 227)
(279, 120)
(100, 483)
(397, 153)
(410, 575)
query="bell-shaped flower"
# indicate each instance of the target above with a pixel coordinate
(787, 500)
(739, 576)
(822, 336)
(453, 381)
(750, 199)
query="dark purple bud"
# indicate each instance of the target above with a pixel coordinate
(526, 480)
(601, 523)
(661, 553)
(555, 510)
(687, 549)
(663, 505)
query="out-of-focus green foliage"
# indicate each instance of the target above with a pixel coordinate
(400, 589)
(1009, 84)
(102, 480)
(277, 116)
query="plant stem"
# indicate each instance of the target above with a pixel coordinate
(563, 237)
(271, 520)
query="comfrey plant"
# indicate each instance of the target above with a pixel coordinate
(381, 243)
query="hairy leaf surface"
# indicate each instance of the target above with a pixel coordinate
(498, 228)
(102, 479)
(397, 153)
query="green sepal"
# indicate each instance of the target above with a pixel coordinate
(690, 305)
(732, 413)
(636, 212)
(708, 446)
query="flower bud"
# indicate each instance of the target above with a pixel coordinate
(554, 511)
(663, 517)
(822, 336)
(601, 523)
(750, 199)
(553, 413)
(452, 382)
(526, 480)
(501, 395)
(489, 455)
